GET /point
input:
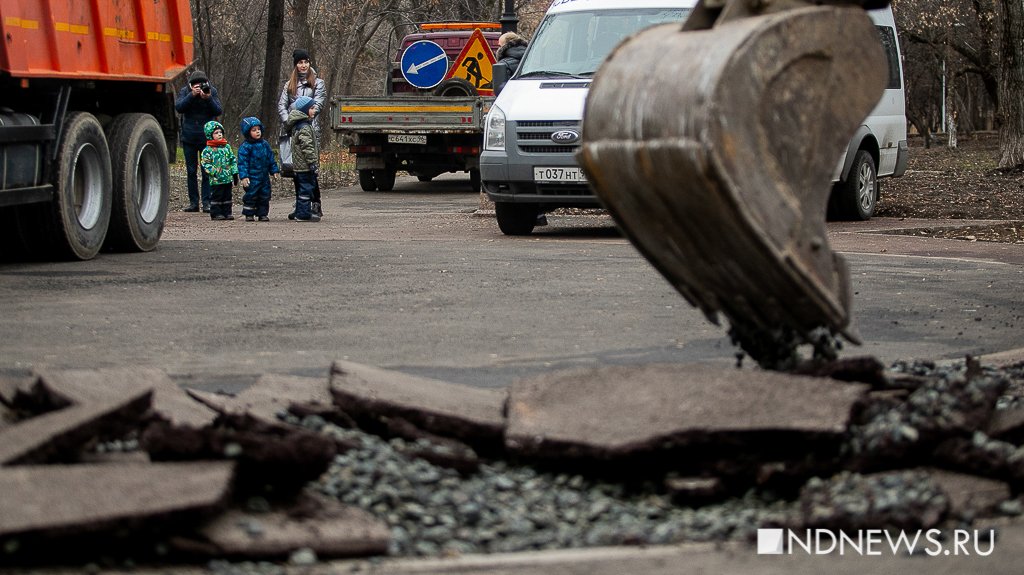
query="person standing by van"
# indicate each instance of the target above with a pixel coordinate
(511, 48)
(198, 103)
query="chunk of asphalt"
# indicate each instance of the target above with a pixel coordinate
(273, 458)
(61, 500)
(59, 435)
(327, 527)
(472, 415)
(693, 411)
(100, 385)
(970, 496)
(1007, 425)
(270, 395)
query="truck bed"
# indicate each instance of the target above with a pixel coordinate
(413, 114)
(131, 40)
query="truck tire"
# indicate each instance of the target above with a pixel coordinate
(141, 183)
(855, 198)
(455, 87)
(74, 225)
(366, 181)
(516, 219)
(385, 179)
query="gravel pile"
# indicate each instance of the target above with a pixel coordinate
(435, 511)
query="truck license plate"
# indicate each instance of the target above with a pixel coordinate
(572, 174)
(407, 139)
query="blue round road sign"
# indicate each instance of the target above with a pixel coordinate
(424, 64)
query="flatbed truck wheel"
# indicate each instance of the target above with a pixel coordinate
(366, 181)
(385, 179)
(141, 183)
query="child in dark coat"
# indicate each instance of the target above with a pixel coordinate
(305, 159)
(256, 165)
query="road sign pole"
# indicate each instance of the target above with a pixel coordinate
(509, 22)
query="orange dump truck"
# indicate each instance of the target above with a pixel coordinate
(87, 123)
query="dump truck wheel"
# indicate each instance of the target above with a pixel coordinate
(515, 219)
(385, 179)
(856, 197)
(141, 183)
(455, 87)
(474, 180)
(75, 224)
(366, 181)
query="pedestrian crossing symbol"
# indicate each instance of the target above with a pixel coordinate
(475, 64)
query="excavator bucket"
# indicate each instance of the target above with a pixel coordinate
(714, 149)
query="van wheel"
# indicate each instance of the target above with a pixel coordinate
(385, 179)
(516, 219)
(366, 181)
(474, 180)
(455, 87)
(74, 225)
(855, 198)
(141, 183)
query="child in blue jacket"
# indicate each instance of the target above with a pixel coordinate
(256, 165)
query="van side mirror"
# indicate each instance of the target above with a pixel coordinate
(499, 76)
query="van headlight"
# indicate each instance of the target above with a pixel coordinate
(494, 130)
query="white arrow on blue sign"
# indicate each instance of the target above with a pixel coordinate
(424, 64)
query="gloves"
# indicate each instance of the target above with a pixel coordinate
(314, 167)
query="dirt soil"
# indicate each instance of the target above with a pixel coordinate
(961, 183)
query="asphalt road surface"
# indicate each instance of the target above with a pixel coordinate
(414, 280)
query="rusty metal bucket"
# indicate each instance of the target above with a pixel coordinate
(714, 150)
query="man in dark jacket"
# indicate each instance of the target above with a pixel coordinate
(198, 103)
(511, 48)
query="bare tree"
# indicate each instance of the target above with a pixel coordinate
(1011, 85)
(272, 63)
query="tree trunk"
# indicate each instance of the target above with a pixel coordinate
(1011, 86)
(272, 68)
(303, 35)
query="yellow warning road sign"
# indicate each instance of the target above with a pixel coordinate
(475, 64)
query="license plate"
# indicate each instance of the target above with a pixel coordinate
(562, 174)
(406, 139)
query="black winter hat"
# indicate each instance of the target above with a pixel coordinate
(300, 54)
(197, 76)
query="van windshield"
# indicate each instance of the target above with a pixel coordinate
(575, 43)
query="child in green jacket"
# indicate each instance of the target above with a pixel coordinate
(219, 162)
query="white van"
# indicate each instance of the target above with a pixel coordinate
(534, 127)
(535, 124)
(879, 148)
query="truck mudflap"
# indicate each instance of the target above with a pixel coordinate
(713, 147)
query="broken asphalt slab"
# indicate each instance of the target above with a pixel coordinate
(61, 499)
(270, 396)
(60, 434)
(468, 414)
(102, 385)
(609, 412)
(324, 526)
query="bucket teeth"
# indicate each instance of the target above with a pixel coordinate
(714, 151)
